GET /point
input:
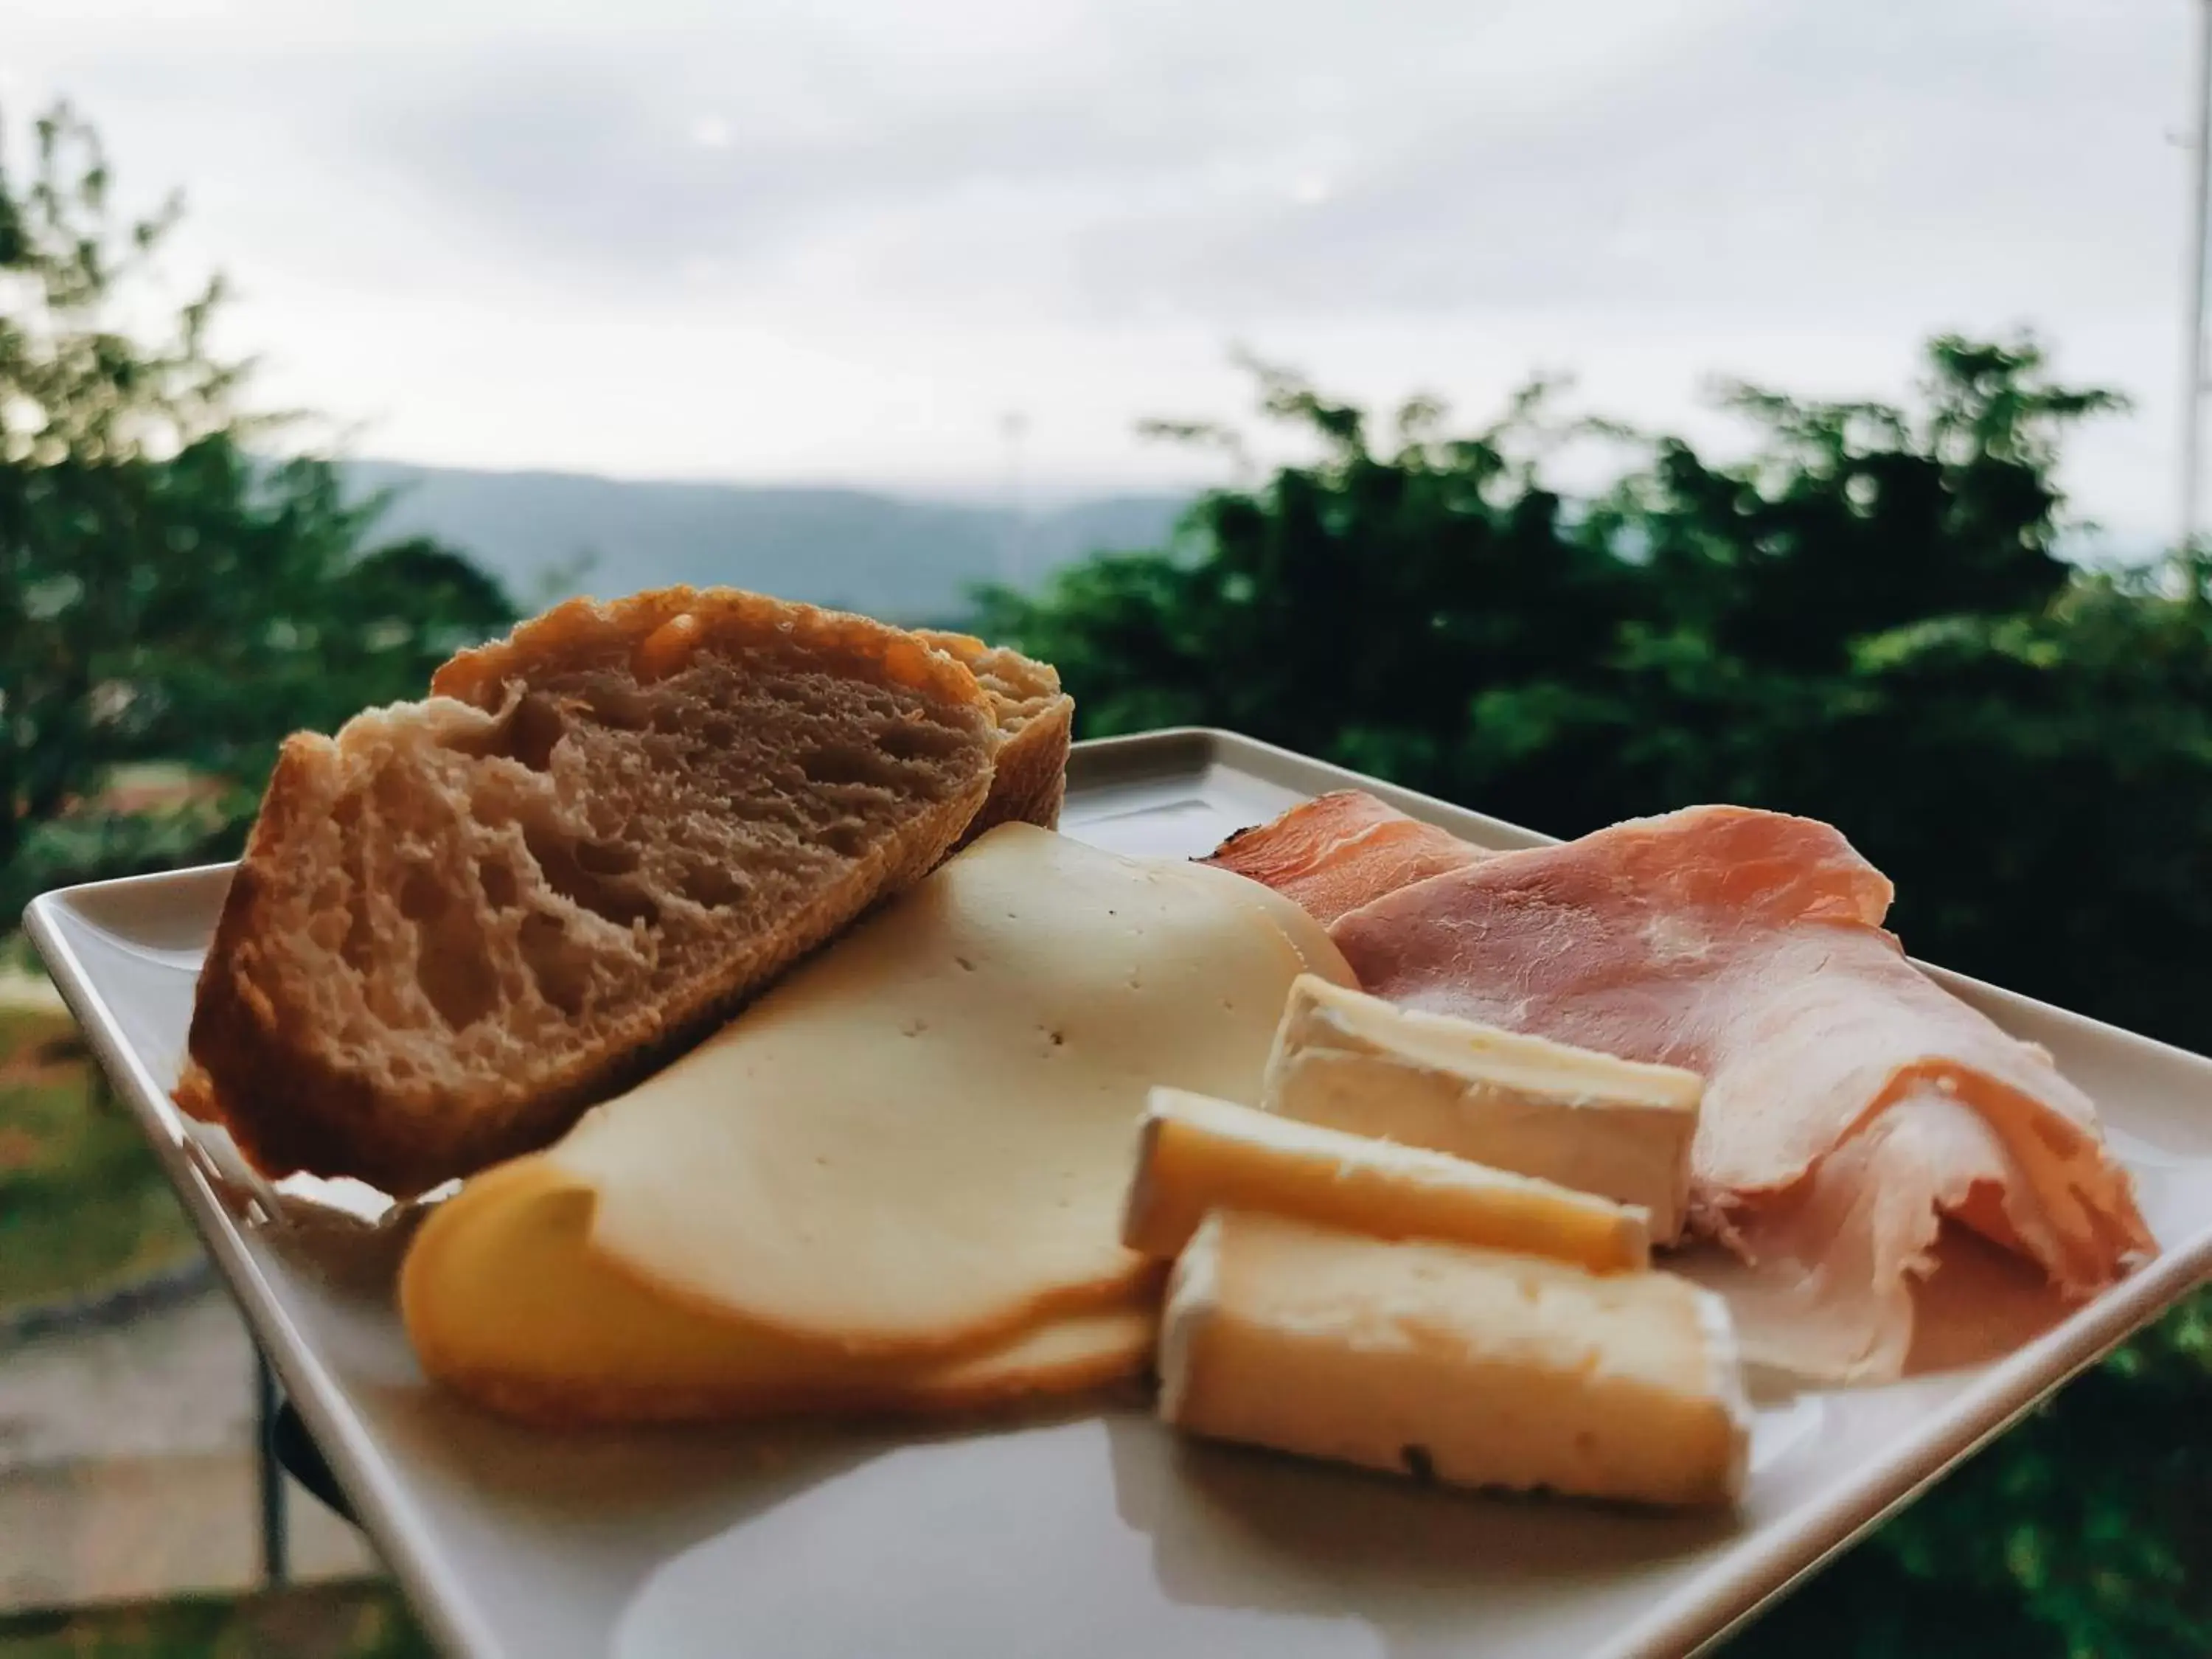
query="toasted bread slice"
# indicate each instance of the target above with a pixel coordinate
(460, 921)
(1035, 719)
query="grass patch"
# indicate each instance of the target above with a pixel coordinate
(322, 1621)
(83, 1204)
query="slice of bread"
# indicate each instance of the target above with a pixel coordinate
(461, 921)
(1036, 720)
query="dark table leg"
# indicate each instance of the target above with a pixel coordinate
(275, 1541)
(301, 1460)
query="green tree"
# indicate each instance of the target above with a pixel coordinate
(166, 592)
(1865, 619)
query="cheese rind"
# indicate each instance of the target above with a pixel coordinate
(1196, 1154)
(1475, 1368)
(1592, 1122)
(506, 1302)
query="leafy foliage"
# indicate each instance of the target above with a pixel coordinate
(1865, 620)
(164, 592)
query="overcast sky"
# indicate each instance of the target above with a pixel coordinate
(841, 239)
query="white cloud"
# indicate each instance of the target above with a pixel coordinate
(841, 238)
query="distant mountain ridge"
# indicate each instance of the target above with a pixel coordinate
(900, 557)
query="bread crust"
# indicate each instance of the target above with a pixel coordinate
(1031, 784)
(579, 632)
(255, 1067)
(1038, 721)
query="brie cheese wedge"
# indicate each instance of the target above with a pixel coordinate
(1588, 1121)
(1474, 1368)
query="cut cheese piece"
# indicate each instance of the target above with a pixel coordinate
(1592, 1122)
(1308, 937)
(1472, 1367)
(506, 1302)
(920, 1139)
(1196, 1154)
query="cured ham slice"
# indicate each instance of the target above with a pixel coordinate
(1821, 1278)
(1850, 1101)
(1337, 851)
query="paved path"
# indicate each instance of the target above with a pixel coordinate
(127, 1466)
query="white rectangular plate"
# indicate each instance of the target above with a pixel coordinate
(1094, 1535)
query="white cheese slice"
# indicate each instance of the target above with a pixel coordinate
(1589, 1120)
(1196, 1154)
(920, 1139)
(1476, 1368)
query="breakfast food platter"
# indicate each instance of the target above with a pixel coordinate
(1080, 1523)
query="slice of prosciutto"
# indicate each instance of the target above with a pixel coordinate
(1851, 1103)
(1337, 851)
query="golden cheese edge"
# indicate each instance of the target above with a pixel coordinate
(506, 1303)
(1196, 1154)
